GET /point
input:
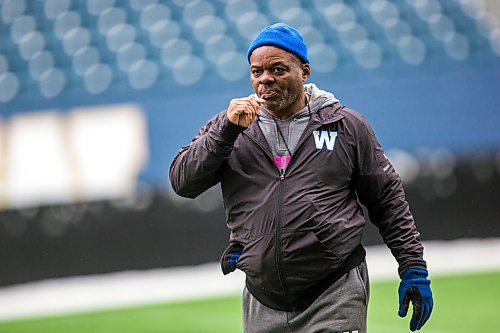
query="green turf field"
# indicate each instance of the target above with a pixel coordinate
(464, 304)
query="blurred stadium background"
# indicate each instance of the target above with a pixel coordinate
(97, 96)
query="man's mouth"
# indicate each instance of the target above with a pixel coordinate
(268, 94)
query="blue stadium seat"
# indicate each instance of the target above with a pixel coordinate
(217, 34)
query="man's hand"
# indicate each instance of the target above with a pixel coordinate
(244, 111)
(415, 287)
(230, 258)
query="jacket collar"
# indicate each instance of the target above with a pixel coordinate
(326, 115)
(256, 134)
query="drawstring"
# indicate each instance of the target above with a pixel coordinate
(281, 133)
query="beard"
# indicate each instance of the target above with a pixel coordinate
(284, 98)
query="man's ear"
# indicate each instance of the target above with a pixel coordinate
(306, 71)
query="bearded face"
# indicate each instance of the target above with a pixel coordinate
(283, 98)
(278, 77)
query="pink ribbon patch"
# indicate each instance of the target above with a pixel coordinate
(282, 161)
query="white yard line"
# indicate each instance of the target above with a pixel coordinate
(443, 257)
(112, 290)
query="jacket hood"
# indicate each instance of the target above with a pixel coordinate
(319, 98)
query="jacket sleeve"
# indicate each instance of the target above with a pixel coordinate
(196, 167)
(380, 189)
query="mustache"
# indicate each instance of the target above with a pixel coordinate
(273, 92)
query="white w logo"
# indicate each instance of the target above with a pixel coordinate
(324, 137)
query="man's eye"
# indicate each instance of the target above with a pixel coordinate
(256, 71)
(278, 70)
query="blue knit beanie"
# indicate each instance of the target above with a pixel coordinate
(282, 36)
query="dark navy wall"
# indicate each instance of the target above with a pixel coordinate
(455, 110)
(458, 111)
(158, 230)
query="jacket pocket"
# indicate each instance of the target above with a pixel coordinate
(305, 258)
(252, 259)
(225, 261)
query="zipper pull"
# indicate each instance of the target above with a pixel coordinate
(282, 174)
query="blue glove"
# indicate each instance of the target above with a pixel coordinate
(233, 259)
(229, 262)
(230, 258)
(415, 287)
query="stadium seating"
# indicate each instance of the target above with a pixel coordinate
(54, 46)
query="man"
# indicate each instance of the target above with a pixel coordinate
(293, 164)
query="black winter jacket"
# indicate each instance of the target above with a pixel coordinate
(300, 231)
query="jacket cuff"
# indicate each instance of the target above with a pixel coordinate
(412, 265)
(229, 131)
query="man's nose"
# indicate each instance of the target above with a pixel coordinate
(266, 77)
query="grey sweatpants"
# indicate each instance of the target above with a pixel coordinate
(341, 308)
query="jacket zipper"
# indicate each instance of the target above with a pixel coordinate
(279, 238)
(279, 224)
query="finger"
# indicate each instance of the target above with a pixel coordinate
(258, 109)
(426, 313)
(418, 320)
(252, 98)
(415, 318)
(234, 108)
(255, 110)
(239, 103)
(235, 103)
(418, 312)
(239, 111)
(246, 100)
(249, 102)
(256, 105)
(403, 306)
(246, 107)
(247, 113)
(259, 100)
(251, 118)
